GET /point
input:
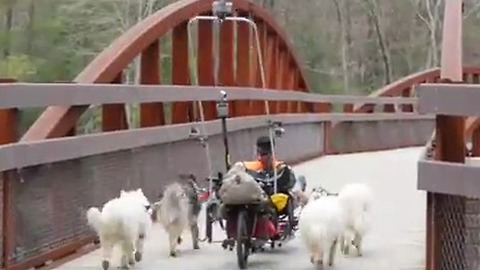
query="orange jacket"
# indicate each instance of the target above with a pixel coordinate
(257, 165)
(285, 184)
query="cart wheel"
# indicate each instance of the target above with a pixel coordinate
(242, 240)
(291, 218)
(208, 224)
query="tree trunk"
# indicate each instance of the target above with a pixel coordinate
(374, 16)
(30, 30)
(8, 28)
(339, 7)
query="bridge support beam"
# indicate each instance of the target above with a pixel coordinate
(151, 114)
(114, 116)
(476, 142)
(204, 63)
(450, 146)
(8, 134)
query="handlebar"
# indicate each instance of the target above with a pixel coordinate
(267, 177)
(213, 179)
(216, 179)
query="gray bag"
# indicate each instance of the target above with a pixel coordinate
(238, 187)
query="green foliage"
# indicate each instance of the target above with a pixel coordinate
(21, 67)
(28, 117)
(68, 34)
(91, 121)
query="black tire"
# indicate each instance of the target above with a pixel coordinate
(242, 240)
(208, 223)
(290, 217)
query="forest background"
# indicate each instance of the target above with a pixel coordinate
(346, 47)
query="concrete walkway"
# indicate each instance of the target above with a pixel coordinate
(396, 240)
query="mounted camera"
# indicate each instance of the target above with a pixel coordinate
(221, 9)
(278, 129)
(222, 105)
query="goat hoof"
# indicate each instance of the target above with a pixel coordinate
(196, 246)
(141, 236)
(315, 261)
(179, 240)
(105, 264)
(173, 254)
(318, 262)
(138, 256)
(131, 262)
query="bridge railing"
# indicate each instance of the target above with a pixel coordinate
(48, 184)
(445, 172)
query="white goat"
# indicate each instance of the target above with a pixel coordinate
(123, 220)
(321, 226)
(175, 211)
(355, 200)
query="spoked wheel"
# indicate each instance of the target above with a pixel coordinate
(208, 226)
(291, 218)
(209, 220)
(242, 241)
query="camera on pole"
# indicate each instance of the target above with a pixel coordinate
(221, 9)
(222, 106)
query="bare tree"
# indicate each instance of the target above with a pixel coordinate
(344, 40)
(371, 6)
(8, 27)
(30, 30)
(433, 22)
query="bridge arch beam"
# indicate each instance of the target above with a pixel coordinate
(107, 67)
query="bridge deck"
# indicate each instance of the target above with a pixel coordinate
(396, 240)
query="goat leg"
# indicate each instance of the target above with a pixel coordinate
(139, 247)
(107, 248)
(331, 254)
(195, 233)
(358, 243)
(173, 244)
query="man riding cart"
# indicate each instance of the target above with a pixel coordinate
(275, 218)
